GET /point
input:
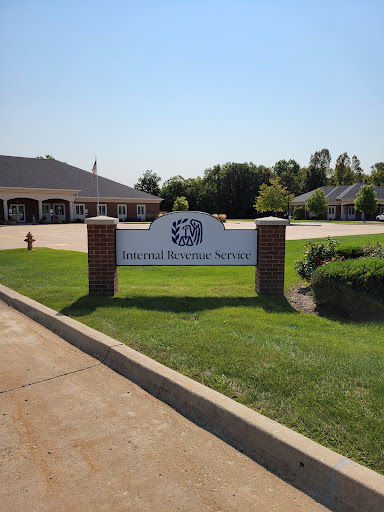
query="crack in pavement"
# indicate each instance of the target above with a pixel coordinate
(51, 378)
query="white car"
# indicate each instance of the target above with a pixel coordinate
(380, 217)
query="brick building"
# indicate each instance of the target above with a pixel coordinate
(42, 190)
(341, 201)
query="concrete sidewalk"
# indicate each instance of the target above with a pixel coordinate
(76, 436)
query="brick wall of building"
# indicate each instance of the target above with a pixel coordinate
(152, 209)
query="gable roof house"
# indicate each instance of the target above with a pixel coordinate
(341, 202)
(42, 190)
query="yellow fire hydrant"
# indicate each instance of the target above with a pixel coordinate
(29, 240)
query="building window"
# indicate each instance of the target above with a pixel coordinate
(103, 209)
(351, 210)
(331, 210)
(46, 208)
(80, 210)
(59, 209)
(122, 211)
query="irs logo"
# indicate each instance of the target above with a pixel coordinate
(189, 234)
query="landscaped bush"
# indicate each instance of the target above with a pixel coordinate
(220, 216)
(351, 288)
(299, 213)
(374, 251)
(316, 255)
(355, 251)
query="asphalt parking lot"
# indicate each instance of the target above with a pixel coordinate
(73, 237)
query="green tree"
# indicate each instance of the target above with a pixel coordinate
(358, 173)
(366, 200)
(317, 171)
(194, 193)
(290, 175)
(212, 189)
(331, 177)
(317, 203)
(172, 188)
(232, 187)
(149, 183)
(343, 171)
(46, 157)
(377, 174)
(240, 183)
(180, 204)
(273, 197)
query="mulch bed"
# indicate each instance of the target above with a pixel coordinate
(301, 299)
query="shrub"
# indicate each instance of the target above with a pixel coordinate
(299, 213)
(354, 251)
(373, 251)
(315, 255)
(220, 216)
(352, 288)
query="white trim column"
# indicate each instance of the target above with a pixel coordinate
(71, 209)
(5, 207)
(40, 206)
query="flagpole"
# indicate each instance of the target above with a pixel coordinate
(97, 188)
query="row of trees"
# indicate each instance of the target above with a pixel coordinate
(231, 188)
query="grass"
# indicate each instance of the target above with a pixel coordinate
(322, 221)
(294, 221)
(321, 377)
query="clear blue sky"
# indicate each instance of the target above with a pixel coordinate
(177, 86)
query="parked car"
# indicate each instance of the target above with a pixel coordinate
(380, 217)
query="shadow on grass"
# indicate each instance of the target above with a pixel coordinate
(172, 304)
(364, 317)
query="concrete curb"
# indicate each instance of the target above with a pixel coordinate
(338, 483)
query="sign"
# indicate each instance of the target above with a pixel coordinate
(186, 238)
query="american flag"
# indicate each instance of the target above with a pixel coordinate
(94, 169)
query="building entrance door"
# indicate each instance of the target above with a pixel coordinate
(331, 212)
(141, 212)
(59, 211)
(17, 212)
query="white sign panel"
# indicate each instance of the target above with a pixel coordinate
(186, 238)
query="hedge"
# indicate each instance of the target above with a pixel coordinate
(354, 251)
(353, 287)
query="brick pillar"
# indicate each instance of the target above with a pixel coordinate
(270, 255)
(102, 269)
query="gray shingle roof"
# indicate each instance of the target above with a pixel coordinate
(339, 192)
(51, 174)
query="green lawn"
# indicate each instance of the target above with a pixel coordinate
(319, 376)
(336, 221)
(294, 221)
